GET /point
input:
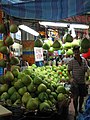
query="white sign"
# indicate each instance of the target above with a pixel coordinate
(38, 54)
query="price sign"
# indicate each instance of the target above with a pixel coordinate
(38, 54)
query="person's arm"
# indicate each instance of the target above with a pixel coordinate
(86, 67)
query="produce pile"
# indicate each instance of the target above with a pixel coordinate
(35, 88)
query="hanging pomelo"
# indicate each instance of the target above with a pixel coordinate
(85, 43)
(68, 38)
(9, 76)
(84, 50)
(13, 28)
(14, 61)
(9, 41)
(4, 50)
(1, 43)
(38, 43)
(2, 63)
(56, 44)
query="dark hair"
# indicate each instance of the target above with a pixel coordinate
(76, 48)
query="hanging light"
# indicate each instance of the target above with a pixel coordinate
(29, 30)
(57, 24)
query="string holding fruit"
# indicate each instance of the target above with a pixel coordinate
(7, 27)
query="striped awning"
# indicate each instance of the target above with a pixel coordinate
(47, 10)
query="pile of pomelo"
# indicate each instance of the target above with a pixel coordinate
(35, 88)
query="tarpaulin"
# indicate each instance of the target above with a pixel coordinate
(86, 55)
(48, 10)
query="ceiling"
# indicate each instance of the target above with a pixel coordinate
(47, 10)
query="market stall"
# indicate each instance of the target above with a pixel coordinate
(43, 92)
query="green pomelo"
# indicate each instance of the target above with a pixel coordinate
(4, 50)
(67, 45)
(31, 87)
(9, 41)
(4, 96)
(15, 96)
(1, 43)
(75, 43)
(26, 97)
(54, 94)
(26, 79)
(85, 43)
(51, 49)
(3, 88)
(46, 46)
(44, 106)
(22, 90)
(13, 67)
(50, 42)
(61, 97)
(56, 44)
(68, 38)
(48, 91)
(20, 75)
(69, 52)
(9, 76)
(14, 61)
(84, 50)
(17, 103)
(3, 63)
(49, 102)
(32, 104)
(43, 96)
(15, 72)
(42, 88)
(63, 51)
(38, 43)
(11, 90)
(61, 89)
(2, 28)
(27, 71)
(37, 80)
(2, 80)
(18, 84)
(8, 102)
(13, 28)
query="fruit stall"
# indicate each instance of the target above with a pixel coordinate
(37, 92)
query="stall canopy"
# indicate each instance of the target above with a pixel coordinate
(48, 10)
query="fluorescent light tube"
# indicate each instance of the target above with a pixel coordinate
(29, 30)
(53, 24)
(56, 24)
(80, 26)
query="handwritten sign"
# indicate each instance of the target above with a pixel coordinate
(38, 54)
